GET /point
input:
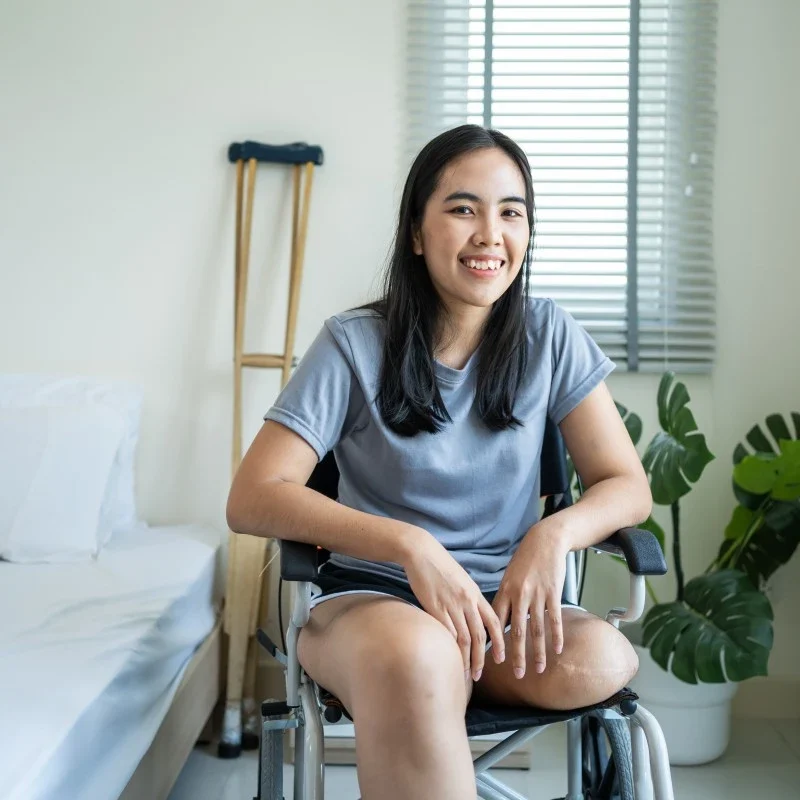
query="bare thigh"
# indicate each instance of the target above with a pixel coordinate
(596, 662)
(351, 644)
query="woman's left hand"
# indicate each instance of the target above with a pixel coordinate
(533, 584)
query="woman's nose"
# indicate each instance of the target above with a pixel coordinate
(488, 231)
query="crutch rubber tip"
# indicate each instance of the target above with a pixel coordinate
(226, 750)
(249, 740)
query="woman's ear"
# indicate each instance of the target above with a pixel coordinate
(416, 240)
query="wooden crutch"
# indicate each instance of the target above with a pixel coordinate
(247, 554)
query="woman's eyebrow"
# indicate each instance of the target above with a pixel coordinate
(475, 199)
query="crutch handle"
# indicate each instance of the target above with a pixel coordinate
(295, 153)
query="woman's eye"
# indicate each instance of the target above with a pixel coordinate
(462, 210)
(513, 212)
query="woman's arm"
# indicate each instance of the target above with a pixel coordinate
(269, 497)
(617, 494)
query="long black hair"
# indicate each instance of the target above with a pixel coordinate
(408, 396)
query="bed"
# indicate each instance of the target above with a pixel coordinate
(109, 669)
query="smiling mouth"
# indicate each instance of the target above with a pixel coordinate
(482, 265)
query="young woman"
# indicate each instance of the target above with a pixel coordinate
(443, 581)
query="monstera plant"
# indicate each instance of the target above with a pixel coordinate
(764, 530)
(719, 626)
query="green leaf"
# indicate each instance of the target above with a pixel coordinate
(740, 522)
(780, 429)
(777, 427)
(767, 474)
(747, 499)
(787, 485)
(677, 455)
(790, 450)
(758, 441)
(772, 544)
(723, 622)
(756, 474)
(670, 624)
(632, 421)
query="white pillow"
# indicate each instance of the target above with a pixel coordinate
(29, 390)
(54, 468)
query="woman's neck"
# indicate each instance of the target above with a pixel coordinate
(459, 337)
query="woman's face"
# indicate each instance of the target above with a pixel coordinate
(475, 230)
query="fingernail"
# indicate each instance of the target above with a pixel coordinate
(539, 666)
(501, 657)
(559, 649)
(519, 672)
(466, 675)
(478, 674)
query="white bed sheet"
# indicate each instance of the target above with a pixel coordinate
(91, 655)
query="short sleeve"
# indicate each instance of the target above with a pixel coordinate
(579, 365)
(316, 402)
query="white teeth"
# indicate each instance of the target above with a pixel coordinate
(474, 264)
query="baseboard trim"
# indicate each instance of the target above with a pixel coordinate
(768, 698)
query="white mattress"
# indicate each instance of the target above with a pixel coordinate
(91, 655)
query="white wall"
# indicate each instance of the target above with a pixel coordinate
(116, 214)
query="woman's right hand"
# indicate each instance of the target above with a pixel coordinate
(447, 593)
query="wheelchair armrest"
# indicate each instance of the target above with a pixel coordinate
(299, 561)
(639, 548)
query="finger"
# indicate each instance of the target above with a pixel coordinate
(556, 624)
(463, 640)
(517, 635)
(492, 623)
(448, 623)
(478, 641)
(537, 634)
(502, 607)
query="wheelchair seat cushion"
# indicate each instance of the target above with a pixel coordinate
(485, 720)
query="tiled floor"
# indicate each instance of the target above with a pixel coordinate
(763, 761)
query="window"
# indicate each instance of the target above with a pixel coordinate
(612, 100)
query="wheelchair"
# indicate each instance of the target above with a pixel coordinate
(615, 749)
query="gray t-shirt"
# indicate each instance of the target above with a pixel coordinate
(475, 490)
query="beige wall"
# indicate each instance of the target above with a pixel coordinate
(116, 211)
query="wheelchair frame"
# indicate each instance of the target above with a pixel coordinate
(303, 708)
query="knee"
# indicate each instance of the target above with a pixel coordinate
(602, 661)
(618, 655)
(423, 667)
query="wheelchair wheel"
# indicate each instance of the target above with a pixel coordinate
(270, 760)
(607, 759)
(619, 737)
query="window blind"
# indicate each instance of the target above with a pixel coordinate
(613, 103)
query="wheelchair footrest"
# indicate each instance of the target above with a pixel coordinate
(279, 724)
(276, 715)
(274, 708)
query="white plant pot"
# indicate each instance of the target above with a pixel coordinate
(695, 718)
